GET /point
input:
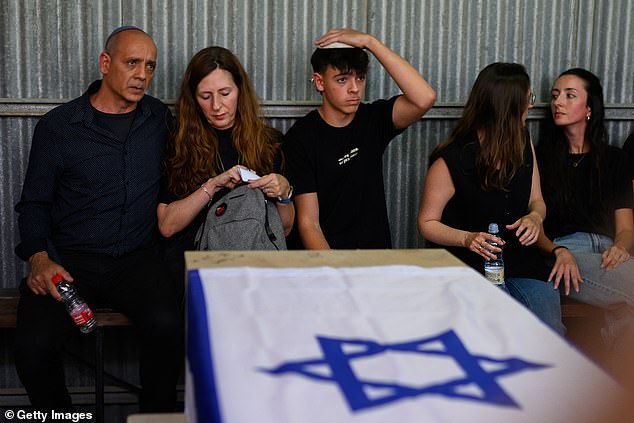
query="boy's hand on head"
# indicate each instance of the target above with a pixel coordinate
(345, 35)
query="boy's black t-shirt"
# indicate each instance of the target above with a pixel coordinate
(344, 167)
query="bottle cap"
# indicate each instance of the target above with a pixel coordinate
(493, 228)
(57, 279)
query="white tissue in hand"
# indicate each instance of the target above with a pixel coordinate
(247, 175)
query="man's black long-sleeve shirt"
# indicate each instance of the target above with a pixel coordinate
(85, 190)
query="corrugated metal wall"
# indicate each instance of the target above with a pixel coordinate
(49, 50)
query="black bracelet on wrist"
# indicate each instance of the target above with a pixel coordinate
(552, 252)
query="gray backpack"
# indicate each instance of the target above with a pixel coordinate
(243, 219)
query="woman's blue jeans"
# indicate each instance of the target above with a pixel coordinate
(540, 298)
(612, 290)
(601, 288)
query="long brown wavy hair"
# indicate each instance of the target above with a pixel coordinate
(192, 155)
(497, 101)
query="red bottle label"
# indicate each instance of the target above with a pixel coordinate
(82, 317)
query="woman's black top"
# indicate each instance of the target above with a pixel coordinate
(594, 195)
(175, 246)
(472, 208)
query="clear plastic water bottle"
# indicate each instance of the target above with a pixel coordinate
(494, 268)
(79, 311)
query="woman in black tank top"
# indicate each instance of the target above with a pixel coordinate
(485, 172)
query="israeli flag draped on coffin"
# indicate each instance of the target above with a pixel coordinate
(376, 344)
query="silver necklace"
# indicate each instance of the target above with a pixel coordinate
(222, 165)
(576, 163)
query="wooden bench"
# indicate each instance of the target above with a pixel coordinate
(105, 318)
(8, 307)
(571, 309)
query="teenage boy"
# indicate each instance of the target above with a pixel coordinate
(334, 155)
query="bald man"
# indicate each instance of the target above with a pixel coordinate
(88, 213)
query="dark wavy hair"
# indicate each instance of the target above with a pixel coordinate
(343, 59)
(553, 152)
(192, 155)
(496, 104)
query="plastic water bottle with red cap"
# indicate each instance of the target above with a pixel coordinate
(79, 311)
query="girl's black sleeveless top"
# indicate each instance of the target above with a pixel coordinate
(472, 208)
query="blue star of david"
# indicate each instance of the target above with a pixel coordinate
(355, 390)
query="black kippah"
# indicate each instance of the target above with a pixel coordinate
(121, 29)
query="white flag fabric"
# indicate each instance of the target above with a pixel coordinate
(376, 344)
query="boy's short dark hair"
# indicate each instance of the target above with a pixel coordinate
(342, 59)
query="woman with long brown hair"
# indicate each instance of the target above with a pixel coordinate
(218, 130)
(486, 173)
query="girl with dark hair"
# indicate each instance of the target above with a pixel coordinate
(218, 131)
(486, 172)
(588, 192)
